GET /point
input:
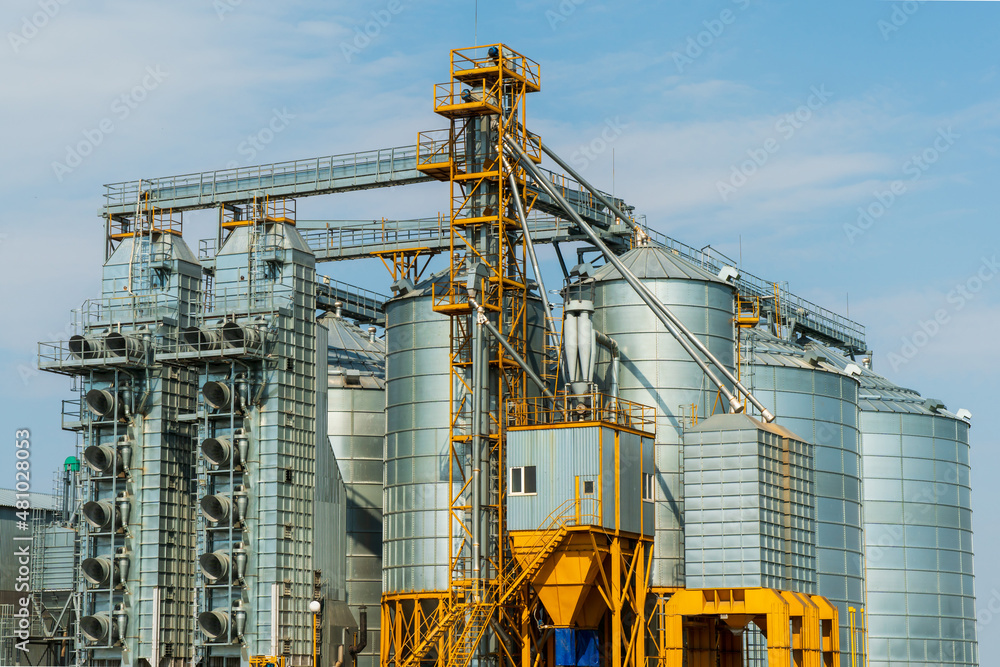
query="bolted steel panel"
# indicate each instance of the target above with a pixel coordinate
(656, 371)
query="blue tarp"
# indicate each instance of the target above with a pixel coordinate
(577, 648)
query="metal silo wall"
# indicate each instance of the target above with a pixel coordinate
(655, 370)
(822, 407)
(417, 495)
(357, 434)
(918, 539)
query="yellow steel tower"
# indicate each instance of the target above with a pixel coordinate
(485, 102)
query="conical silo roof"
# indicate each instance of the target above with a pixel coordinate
(657, 263)
(350, 348)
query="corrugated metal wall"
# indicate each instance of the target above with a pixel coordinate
(820, 403)
(747, 523)
(656, 371)
(356, 432)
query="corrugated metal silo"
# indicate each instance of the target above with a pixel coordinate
(418, 382)
(416, 498)
(357, 434)
(918, 527)
(819, 402)
(656, 371)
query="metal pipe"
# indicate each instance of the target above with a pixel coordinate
(765, 413)
(562, 262)
(529, 245)
(362, 643)
(648, 298)
(612, 345)
(510, 350)
(477, 463)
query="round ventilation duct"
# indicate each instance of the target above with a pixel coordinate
(101, 459)
(217, 508)
(215, 624)
(84, 347)
(218, 451)
(99, 514)
(201, 340)
(96, 628)
(215, 565)
(217, 394)
(101, 402)
(121, 345)
(97, 571)
(238, 335)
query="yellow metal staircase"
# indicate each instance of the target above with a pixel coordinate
(474, 616)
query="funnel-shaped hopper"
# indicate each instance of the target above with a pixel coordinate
(564, 574)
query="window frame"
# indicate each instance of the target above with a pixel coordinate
(648, 488)
(519, 472)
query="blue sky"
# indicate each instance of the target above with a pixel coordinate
(897, 109)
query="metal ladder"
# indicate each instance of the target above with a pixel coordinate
(257, 268)
(552, 350)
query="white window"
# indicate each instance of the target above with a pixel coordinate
(522, 481)
(647, 487)
(588, 487)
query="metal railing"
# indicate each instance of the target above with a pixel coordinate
(241, 184)
(435, 147)
(467, 61)
(357, 302)
(53, 355)
(806, 312)
(454, 96)
(569, 408)
(130, 310)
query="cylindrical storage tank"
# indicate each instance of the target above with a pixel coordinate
(656, 371)
(356, 428)
(817, 401)
(416, 500)
(415, 525)
(918, 527)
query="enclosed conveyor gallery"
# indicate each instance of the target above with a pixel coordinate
(659, 460)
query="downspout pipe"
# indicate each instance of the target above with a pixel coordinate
(612, 345)
(648, 298)
(510, 350)
(362, 641)
(477, 463)
(529, 245)
(765, 413)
